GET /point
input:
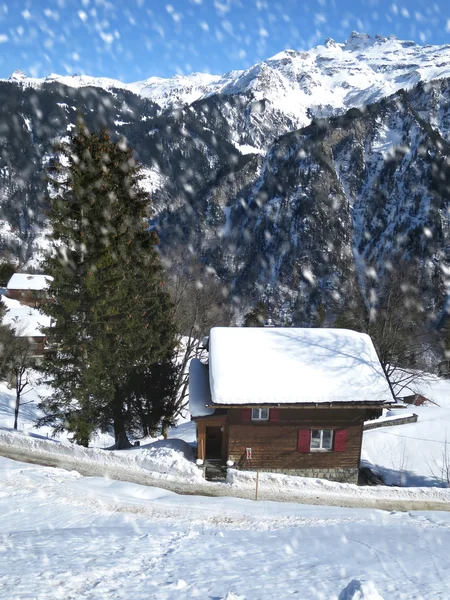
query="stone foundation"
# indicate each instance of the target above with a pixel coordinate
(341, 475)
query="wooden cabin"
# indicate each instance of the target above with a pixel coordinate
(28, 289)
(416, 400)
(286, 400)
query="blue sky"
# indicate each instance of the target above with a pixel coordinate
(135, 39)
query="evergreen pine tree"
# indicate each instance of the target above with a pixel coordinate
(7, 270)
(154, 399)
(112, 314)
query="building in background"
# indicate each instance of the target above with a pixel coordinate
(28, 289)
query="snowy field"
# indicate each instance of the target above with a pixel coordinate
(415, 454)
(66, 536)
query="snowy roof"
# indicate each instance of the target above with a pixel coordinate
(199, 392)
(26, 321)
(259, 365)
(26, 281)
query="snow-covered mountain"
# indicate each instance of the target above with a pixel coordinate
(322, 82)
(273, 176)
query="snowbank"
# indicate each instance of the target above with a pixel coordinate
(199, 392)
(288, 486)
(171, 458)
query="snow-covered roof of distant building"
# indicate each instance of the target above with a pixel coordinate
(199, 392)
(259, 365)
(27, 281)
(25, 320)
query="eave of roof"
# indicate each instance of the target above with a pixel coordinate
(369, 404)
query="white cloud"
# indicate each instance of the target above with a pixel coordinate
(447, 27)
(82, 15)
(3, 38)
(26, 14)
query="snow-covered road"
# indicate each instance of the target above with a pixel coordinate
(70, 537)
(272, 487)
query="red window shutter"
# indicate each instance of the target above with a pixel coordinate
(274, 414)
(304, 440)
(246, 415)
(340, 440)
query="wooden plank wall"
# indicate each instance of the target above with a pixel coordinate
(274, 445)
(28, 297)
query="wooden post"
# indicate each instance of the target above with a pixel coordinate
(201, 434)
(257, 483)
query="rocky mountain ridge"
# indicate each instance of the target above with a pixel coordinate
(293, 86)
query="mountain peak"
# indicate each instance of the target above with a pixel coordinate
(358, 40)
(330, 43)
(17, 76)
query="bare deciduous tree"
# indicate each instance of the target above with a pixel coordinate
(395, 318)
(201, 302)
(20, 363)
(440, 469)
(16, 360)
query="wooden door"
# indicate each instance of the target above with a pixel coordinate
(213, 443)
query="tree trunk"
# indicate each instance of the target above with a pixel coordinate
(121, 440)
(16, 410)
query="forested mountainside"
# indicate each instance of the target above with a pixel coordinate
(300, 217)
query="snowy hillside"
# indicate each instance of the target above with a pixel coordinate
(295, 217)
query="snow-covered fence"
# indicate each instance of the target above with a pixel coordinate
(391, 421)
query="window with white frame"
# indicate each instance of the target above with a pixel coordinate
(260, 414)
(321, 440)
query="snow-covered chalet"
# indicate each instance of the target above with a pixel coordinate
(286, 400)
(28, 288)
